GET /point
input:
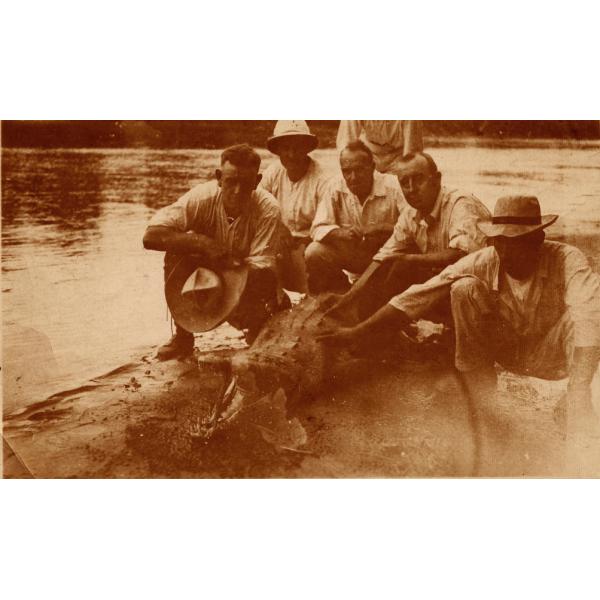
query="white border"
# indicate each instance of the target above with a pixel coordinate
(282, 539)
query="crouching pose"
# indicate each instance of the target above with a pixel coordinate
(298, 183)
(531, 305)
(438, 227)
(230, 228)
(352, 221)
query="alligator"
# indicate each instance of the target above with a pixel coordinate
(287, 363)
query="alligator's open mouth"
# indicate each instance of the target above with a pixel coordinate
(239, 389)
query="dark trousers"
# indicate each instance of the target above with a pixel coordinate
(327, 261)
(390, 279)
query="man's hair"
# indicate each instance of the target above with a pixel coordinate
(430, 162)
(359, 146)
(242, 156)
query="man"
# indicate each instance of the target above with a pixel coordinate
(220, 224)
(438, 227)
(352, 222)
(389, 141)
(529, 304)
(298, 183)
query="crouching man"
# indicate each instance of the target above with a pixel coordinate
(222, 225)
(298, 182)
(531, 305)
(352, 221)
(438, 227)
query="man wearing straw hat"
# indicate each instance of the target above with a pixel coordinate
(221, 240)
(529, 304)
(298, 182)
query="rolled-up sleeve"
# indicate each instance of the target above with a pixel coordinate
(400, 239)
(463, 233)
(420, 298)
(325, 216)
(265, 243)
(187, 214)
(582, 296)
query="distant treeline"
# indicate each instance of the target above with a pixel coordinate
(219, 134)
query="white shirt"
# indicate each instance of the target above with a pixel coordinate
(387, 140)
(452, 223)
(298, 200)
(253, 236)
(341, 208)
(563, 281)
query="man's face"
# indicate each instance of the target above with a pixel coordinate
(519, 256)
(237, 185)
(419, 185)
(357, 169)
(292, 153)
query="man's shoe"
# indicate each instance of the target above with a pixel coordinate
(179, 346)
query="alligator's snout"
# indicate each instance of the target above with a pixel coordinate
(238, 390)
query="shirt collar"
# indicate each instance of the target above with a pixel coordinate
(379, 189)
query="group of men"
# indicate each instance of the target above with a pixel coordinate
(395, 245)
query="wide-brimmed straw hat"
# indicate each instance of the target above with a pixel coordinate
(292, 129)
(514, 216)
(200, 299)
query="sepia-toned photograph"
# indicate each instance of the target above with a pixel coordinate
(300, 299)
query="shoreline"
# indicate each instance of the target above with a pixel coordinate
(429, 142)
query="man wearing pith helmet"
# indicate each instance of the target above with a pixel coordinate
(529, 304)
(298, 183)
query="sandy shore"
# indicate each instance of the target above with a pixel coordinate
(406, 421)
(409, 420)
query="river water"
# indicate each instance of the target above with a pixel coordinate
(81, 296)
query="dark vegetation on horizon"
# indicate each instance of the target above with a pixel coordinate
(219, 134)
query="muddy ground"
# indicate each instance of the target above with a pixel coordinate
(407, 419)
(394, 422)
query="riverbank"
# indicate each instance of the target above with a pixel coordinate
(70, 217)
(408, 421)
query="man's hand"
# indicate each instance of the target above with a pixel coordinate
(328, 301)
(217, 255)
(342, 235)
(376, 239)
(337, 336)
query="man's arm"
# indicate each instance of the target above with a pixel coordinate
(267, 240)
(413, 136)
(325, 224)
(166, 239)
(385, 318)
(441, 259)
(433, 260)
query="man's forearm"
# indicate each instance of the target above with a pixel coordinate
(585, 363)
(164, 239)
(437, 259)
(387, 316)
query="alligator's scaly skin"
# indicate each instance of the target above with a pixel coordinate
(286, 354)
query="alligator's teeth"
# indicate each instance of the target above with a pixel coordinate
(235, 405)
